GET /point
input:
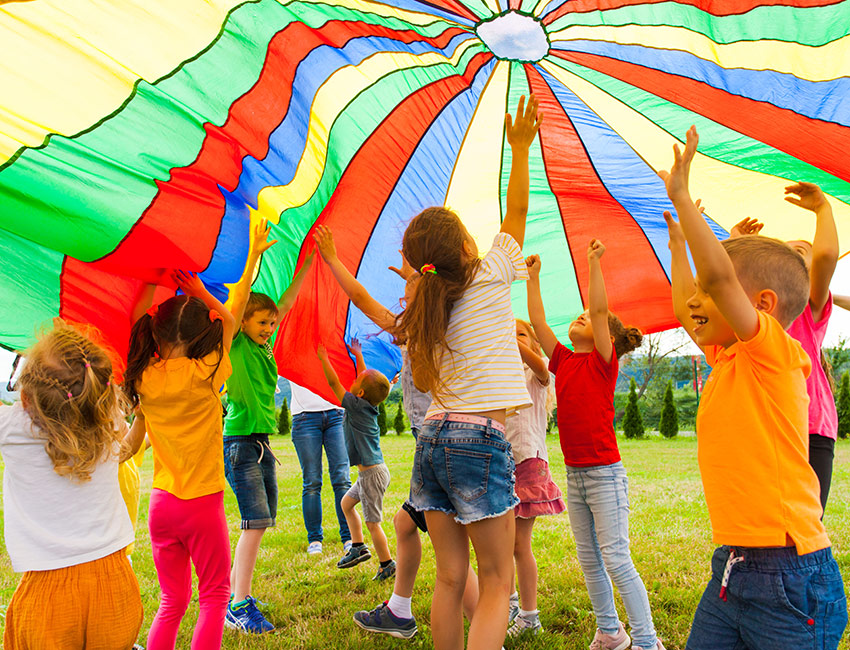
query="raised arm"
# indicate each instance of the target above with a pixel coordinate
(330, 373)
(260, 244)
(356, 292)
(520, 133)
(535, 362)
(536, 313)
(357, 350)
(598, 301)
(714, 268)
(682, 277)
(288, 298)
(143, 302)
(135, 436)
(192, 285)
(841, 301)
(824, 246)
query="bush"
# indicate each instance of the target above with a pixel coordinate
(398, 422)
(843, 406)
(382, 418)
(669, 423)
(284, 424)
(632, 422)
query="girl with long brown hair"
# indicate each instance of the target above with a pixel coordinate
(460, 335)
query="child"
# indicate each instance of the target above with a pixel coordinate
(809, 328)
(176, 366)
(395, 616)
(597, 487)
(362, 439)
(66, 526)
(537, 492)
(460, 335)
(774, 581)
(249, 464)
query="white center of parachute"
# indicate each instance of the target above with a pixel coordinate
(514, 36)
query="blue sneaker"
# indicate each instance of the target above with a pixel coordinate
(381, 619)
(246, 618)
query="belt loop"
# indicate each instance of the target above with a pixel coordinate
(443, 419)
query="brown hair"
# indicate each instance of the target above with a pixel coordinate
(626, 339)
(375, 387)
(68, 392)
(259, 302)
(764, 263)
(181, 320)
(434, 236)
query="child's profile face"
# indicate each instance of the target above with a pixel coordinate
(581, 331)
(711, 327)
(804, 249)
(260, 326)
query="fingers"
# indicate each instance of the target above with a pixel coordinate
(795, 201)
(520, 109)
(663, 174)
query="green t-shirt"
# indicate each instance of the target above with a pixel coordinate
(250, 389)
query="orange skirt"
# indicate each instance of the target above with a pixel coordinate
(95, 605)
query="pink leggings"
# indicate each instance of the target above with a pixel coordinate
(184, 530)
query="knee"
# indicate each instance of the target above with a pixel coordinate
(312, 484)
(174, 604)
(404, 526)
(453, 581)
(619, 567)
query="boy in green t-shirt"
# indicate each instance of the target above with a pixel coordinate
(249, 464)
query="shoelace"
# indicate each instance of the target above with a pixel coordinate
(254, 614)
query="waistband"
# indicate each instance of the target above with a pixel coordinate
(466, 419)
(776, 557)
(380, 467)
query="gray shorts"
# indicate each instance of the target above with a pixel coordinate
(369, 489)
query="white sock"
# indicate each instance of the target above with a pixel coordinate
(530, 615)
(514, 597)
(399, 606)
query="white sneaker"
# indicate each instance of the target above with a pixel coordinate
(522, 625)
(314, 548)
(618, 641)
(657, 646)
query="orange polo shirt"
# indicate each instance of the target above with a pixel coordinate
(183, 416)
(753, 441)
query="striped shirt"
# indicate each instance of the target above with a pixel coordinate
(482, 369)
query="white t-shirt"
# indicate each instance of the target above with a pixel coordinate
(526, 429)
(305, 401)
(484, 370)
(51, 522)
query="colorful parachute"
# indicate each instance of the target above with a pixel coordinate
(142, 136)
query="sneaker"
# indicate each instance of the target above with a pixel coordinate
(618, 641)
(314, 548)
(136, 646)
(346, 545)
(247, 618)
(354, 555)
(513, 612)
(381, 619)
(658, 646)
(385, 572)
(524, 625)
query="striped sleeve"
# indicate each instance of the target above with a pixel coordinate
(505, 259)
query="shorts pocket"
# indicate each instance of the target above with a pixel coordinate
(416, 481)
(468, 472)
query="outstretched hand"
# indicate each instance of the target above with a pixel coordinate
(406, 270)
(321, 352)
(595, 250)
(677, 178)
(747, 226)
(355, 346)
(324, 239)
(522, 129)
(533, 263)
(189, 282)
(261, 241)
(674, 229)
(809, 196)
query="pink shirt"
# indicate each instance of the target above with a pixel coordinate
(823, 419)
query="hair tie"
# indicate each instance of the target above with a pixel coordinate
(152, 311)
(70, 395)
(428, 268)
(214, 316)
(88, 364)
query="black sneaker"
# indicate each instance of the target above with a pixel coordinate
(355, 555)
(381, 619)
(385, 572)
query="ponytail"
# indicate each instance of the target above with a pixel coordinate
(142, 348)
(626, 339)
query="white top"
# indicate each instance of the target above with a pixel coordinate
(52, 522)
(307, 401)
(526, 429)
(484, 369)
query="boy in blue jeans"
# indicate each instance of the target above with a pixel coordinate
(775, 584)
(362, 439)
(249, 464)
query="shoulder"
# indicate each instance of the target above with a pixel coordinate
(13, 419)
(560, 354)
(775, 348)
(504, 259)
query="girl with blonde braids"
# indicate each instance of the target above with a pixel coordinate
(66, 525)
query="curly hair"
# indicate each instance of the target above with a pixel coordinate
(68, 391)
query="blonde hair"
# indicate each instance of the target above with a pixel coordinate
(68, 391)
(551, 401)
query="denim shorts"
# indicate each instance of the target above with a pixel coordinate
(463, 469)
(775, 600)
(249, 467)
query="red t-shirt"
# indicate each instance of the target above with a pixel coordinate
(584, 385)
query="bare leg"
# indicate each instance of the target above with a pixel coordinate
(470, 593)
(244, 561)
(451, 549)
(379, 540)
(526, 565)
(493, 540)
(352, 519)
(408, 554)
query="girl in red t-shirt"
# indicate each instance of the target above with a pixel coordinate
(597, 487)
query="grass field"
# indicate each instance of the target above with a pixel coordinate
(311, 601)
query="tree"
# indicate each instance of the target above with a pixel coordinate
(382, 418)
(398, 422)
(843, 406)
(669, 424)
(284, 425)
(632, 422)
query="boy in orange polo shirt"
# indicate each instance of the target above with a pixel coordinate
(774, 584)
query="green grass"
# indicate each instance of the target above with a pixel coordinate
(311, 601)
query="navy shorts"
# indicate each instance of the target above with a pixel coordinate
(249, 467)
(463, 469)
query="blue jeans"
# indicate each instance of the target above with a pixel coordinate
(310, 432)
(249, 467)
(775, 600)
(598, 505)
